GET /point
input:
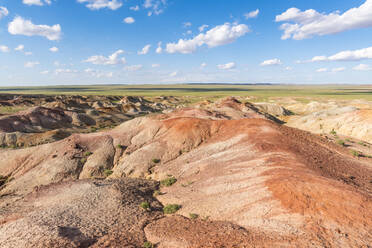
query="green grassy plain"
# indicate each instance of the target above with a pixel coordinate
(259, 92)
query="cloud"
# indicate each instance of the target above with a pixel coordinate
(349, 55)
(100, 4)
(306, 24)
(37, 2)
(187, 24)
(362, 67)
(144, 50)
(98, 74)
(159, 49)
(134, 8)
(227, 66)
(4, 49)
(173, 74)
(44, 72)
(288, 68)
(3, 12)
(338, 69)
(202, 27)
(129, 20)
(28, 53)
(322, 70)
(155, 65)
(31, 64)
(155, 6)
(113, 59)
(54, 49)
(252, 14)
(64, 71)
(20, 26)
(217, 36)
(19, 48)
(203, 65)
(271, 62)
(133, 67)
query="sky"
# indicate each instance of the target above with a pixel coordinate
(62, 42)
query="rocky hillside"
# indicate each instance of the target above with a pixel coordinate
(236, 175)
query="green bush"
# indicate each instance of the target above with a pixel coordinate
(120, 146)
(87, 154)
(156, 160)
(145, 205)
(356, 153)
(193, 216)
(148, 244)
(333, 132)
(171, 208)
(83, 160)
(341, 142)
(168, 181)
(107, 172)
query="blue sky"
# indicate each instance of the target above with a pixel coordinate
(47, 42)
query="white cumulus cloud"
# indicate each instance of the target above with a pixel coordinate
(271, 62)
(100, 4)
(173, 74)
(113, 59)
(362, 67)
(54, 49)
(19, 48)
(322, 70)
(134, 8)
(202, 27)
(252, 14)
(3, 12)
(306, 24)
(129, 20)
(145, 50)
(20, 26)
(155, 6)
(133, 67)
(217, 36)
(4, 49)
(155, 65)
(31, 64)
(159, 49)
(338, 69)
(227, 66)
(348, 55)
(37, 2)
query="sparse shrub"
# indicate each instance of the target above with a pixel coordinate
(87, 154)
(168, 181)
(148, 244)
(156, 160)
(193, 216)
(362, 143)
(356, 153)
(171, 208)
(157, 192)
(83, 160)
(120, 146)
(187, 184)
(145, 205)
(93, 129)
(333, 132)
(341, 142)
(107, 172)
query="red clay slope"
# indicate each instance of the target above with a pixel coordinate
(284, 186)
